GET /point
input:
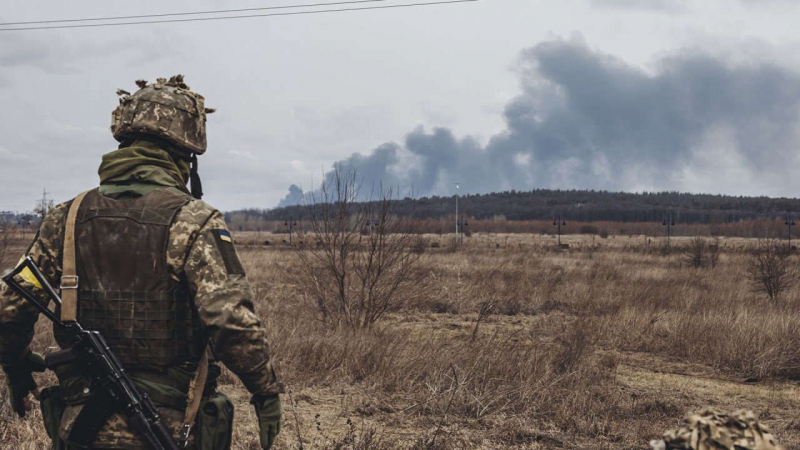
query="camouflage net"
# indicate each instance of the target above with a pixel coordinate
(712, 430)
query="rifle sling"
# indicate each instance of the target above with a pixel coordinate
(69, 272)
(90, 420)
(194, 396)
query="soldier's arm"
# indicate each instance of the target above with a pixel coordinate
(224, 303)
(18, 316)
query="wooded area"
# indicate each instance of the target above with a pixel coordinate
(610, 212)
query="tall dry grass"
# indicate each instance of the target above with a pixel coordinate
(544, 369)
(574, 307)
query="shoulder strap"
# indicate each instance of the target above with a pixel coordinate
(69, 273)
(195, 394)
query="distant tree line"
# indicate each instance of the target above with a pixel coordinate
(752, 228)
(573, 205)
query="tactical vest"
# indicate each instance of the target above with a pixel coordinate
(125, 288)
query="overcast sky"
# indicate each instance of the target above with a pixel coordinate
(698, 96)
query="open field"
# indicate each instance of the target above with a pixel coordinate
(601, 346)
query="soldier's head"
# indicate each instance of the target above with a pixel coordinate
(167, 112)
(712, 430)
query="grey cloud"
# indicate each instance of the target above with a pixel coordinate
(674, 6)
(658, 5)
(64, 53)
(22, 50)
(589, 120)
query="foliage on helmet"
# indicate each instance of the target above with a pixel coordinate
(166, 109)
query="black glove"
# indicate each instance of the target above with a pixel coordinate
(19, 380)
(269, 412)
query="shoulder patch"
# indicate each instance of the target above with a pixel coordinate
(225, 245)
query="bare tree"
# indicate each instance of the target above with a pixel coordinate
(770, 268)
(364, 263)
(42, 207)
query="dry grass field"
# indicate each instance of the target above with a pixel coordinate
(600, 346)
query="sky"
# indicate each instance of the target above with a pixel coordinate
(634, 95)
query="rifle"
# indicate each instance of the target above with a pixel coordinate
(113, 390)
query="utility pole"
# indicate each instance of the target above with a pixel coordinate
(463, 224)
(668, 222)
(557, 220)
(44, 204)
(456, 214)
(291, 224)
(789, 223)
(372, 223)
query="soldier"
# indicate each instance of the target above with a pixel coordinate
(154, 269)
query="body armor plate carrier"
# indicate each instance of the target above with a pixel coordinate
(125, 288)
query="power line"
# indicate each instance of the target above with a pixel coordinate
(248, 16)
(191, 13)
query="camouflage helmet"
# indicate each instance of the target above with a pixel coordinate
(712, 430)
(166, 109)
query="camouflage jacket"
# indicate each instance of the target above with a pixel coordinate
(223, 301)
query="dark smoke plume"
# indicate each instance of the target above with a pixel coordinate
(589, 120)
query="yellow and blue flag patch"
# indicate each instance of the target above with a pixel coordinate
(224, 242)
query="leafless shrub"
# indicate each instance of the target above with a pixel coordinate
(770, 269)
(420, 246)
(575, 346)
(361, 438)
(365, 260)
(444, 306)
(486, 310)
(696, 254)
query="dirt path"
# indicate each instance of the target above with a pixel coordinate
(676, 383)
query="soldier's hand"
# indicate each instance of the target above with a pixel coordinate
(269, 412)
(26, 401)
(20, 382)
